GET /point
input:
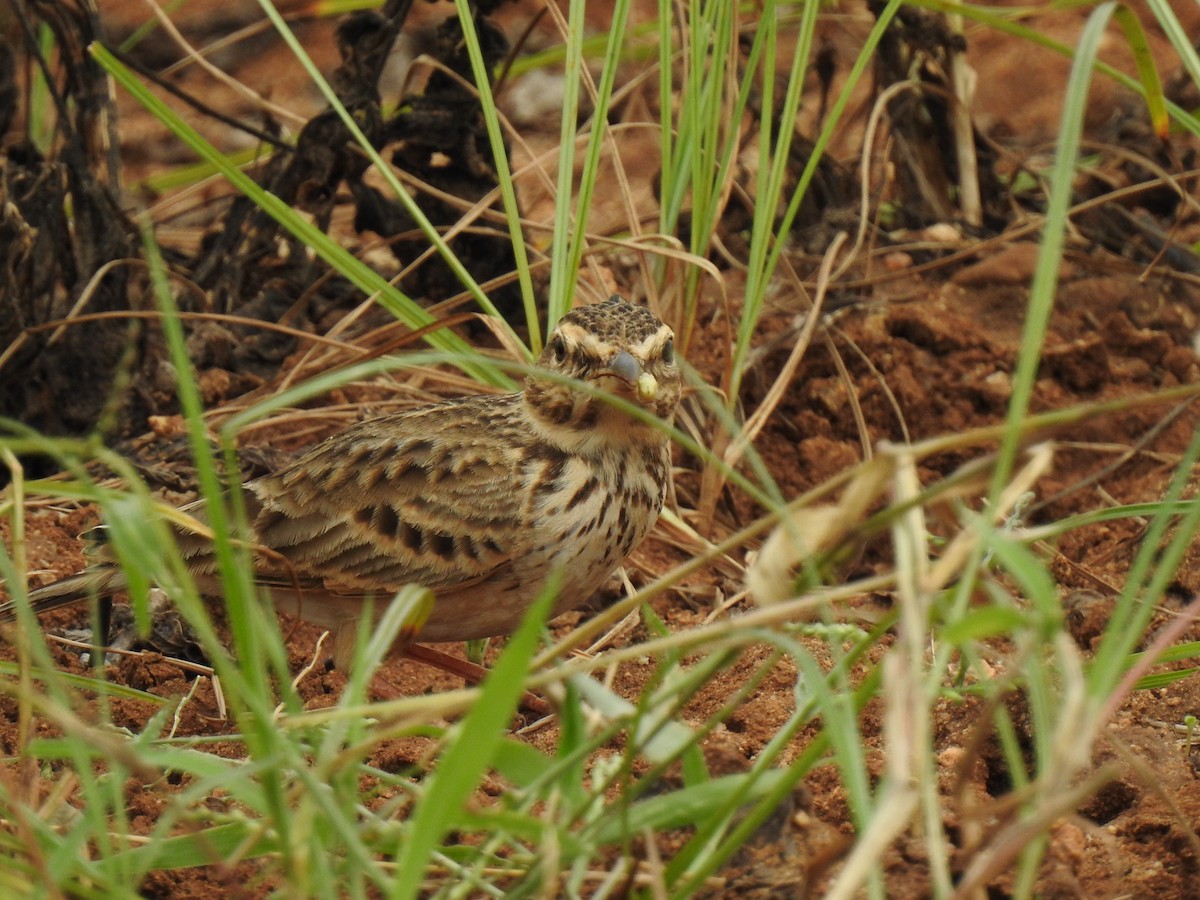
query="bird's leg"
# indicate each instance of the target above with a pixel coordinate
(472, 673)
(102, 631)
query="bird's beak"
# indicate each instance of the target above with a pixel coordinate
(626, 367)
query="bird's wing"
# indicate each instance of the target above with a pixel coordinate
(437, 497)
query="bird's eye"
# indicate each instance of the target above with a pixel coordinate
(558, 349)
(668, 352)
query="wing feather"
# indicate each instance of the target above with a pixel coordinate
(361, 512)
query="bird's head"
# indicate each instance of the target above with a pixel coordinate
(612, 347)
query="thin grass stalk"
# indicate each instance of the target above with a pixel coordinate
(102, 824)
(1050, 248)
(669, 189)
(561, 276)
(832, 120)
(353, 269)
(970, 200)
(1150, 575)
(463, 761)
(1045, 277)
(508, 193)
(595, 145)
(773, 166)
(1183, 45)
(406, 199)
(260, 649)
(688, 869)
(910, 786)
(1004, 23)
(696, 160)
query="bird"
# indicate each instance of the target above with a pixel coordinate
(481, 499)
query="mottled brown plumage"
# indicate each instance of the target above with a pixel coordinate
(478, 499)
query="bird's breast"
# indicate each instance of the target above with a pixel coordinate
(591, 514)
(584, 516)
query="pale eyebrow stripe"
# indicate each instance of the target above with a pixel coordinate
(652, 342)
(592, 345)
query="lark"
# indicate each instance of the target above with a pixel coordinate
(479, 499)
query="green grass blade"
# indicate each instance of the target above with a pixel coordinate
(469, 752)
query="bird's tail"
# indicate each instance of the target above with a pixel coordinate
(95, 581)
